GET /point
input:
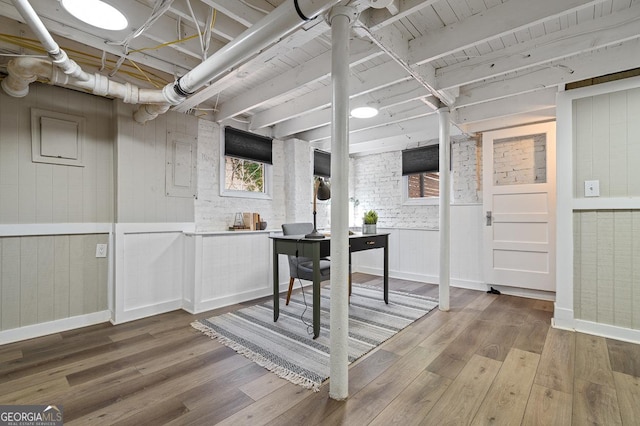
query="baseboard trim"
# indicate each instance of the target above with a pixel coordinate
(221, 302)
(598, 329)
(146, 311)
(51, 327)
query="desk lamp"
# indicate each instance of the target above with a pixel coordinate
(321, 191)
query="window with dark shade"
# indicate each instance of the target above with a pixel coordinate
(247, 158)
(321, 164)
(247, 146)
(421, 168)
(425, 159)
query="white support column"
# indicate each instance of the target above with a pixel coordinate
(445, 210)
(340, 19)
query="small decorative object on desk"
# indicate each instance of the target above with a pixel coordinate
(369, 220)
(238, 223)
(262, 225)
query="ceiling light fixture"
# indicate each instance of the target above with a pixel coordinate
(96, 13)
(364, 112)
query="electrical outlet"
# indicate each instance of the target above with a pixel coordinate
(101, 250)
(591, 188)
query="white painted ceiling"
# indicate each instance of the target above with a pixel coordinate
(495, 63)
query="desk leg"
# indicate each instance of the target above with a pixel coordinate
(276, 278)
(386, 270)
(316, 290)
(349, 274)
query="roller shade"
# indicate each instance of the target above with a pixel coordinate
(321, 164)
(246, 145)
(425, 159)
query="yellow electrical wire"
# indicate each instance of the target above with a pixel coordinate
(143, 73)
(180, 40)
(157, 82)
(27, 43)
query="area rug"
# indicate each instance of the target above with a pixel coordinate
(287, 347)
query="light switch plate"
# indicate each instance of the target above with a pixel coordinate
(101, 250)
(591, 188)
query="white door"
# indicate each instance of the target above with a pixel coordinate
(519, 204)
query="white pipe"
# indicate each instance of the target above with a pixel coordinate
(445, 208)
(281, 21)
(58, 56)
(284, 19)
(340, 19)
(25, 70)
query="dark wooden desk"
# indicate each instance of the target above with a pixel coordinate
(315, 249)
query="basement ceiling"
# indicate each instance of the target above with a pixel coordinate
(494, 63)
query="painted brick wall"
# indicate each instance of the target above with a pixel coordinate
(378, 185)
(466, 172)
(216, 213)
(292, 190)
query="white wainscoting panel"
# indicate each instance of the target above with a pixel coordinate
(149, 269)
(414, 253)
(230, 267)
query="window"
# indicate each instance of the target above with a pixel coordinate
(421, 179)
(247, 160)
(243, 175)
(423, 185)
(321, 164)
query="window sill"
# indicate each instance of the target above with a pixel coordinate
(421, 202)
(246, 194)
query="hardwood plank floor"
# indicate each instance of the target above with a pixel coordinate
(489, 360)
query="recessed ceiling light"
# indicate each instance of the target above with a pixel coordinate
(96, 13)
(364, 112)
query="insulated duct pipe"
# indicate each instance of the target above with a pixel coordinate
(282, 20)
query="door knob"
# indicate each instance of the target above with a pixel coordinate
(489, 218)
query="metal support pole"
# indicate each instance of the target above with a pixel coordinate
(340, 19)
(445, 209)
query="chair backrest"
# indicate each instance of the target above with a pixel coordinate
(295, 271)
(297, 228)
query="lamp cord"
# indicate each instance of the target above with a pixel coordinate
(304, 299)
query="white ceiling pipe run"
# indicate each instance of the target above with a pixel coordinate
(284, 19)
(280, 22)
(59, 56)
(25, 70)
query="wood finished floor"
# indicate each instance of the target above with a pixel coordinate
(490, 360)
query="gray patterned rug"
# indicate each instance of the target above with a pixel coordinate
(286, 347)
